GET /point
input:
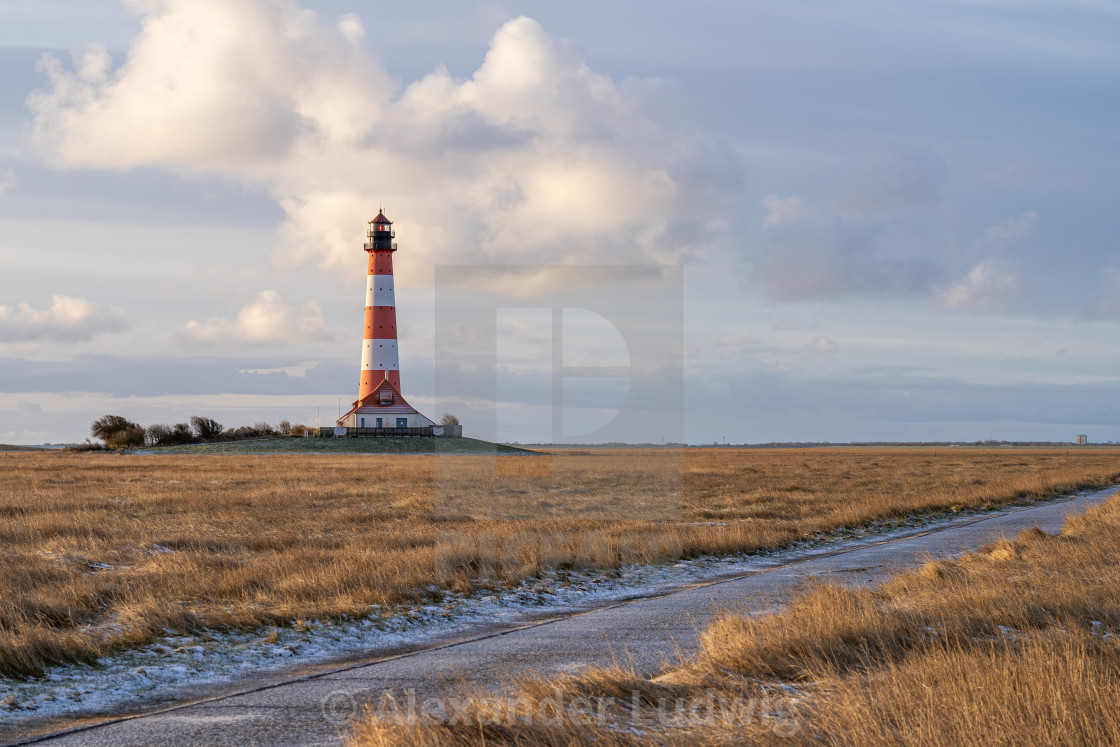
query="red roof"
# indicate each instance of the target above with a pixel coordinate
(381, 218)
(372, 402)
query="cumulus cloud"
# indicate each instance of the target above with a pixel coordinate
(784, 210)
(267, 318)
(67, 320)
(535, 157)
(986, 284)
(208, 85)
(1008, 230)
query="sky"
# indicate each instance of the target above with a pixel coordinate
(873, 220)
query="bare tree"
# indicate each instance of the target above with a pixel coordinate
(448, 419)
(182, 434)
(158, 434)
(263, 429)
(284, 427)
(206, 429)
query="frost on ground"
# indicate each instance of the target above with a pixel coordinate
(183, 666)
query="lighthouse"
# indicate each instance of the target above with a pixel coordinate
(381, 409)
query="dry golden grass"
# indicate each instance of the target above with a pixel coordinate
(1016, 644)
(100, 551)
(1056, 689)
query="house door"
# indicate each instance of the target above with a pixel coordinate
(363, 422)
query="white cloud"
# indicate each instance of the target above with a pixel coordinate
(1010, 229)
(893, 180)
(781, 211)
(7, 180)
(535, 158)
(208, 85)
(267, 318)
(986, 284)
(824, 345)
(871, 239)
(1028, 171)
(1107, 303)
(512, 327)
(67, 320)
(834, 258)
(351, 27)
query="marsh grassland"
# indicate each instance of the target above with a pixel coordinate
(1016, 644)
(103, 551)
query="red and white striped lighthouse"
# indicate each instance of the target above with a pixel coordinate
(379, 342)
(380, 403)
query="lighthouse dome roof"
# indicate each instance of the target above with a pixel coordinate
(380, 218)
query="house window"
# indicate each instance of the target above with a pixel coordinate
(379, 422)
(402, 422)
(363, 422)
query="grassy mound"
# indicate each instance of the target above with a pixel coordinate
(343, 446)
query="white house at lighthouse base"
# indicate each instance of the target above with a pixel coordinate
(384, 407)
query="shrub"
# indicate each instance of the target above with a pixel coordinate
(87, 446)
(159, 434)
(132, 436)
(257, 430)
(448, 419)
(106, 428)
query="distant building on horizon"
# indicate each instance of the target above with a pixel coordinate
(1082, 439)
